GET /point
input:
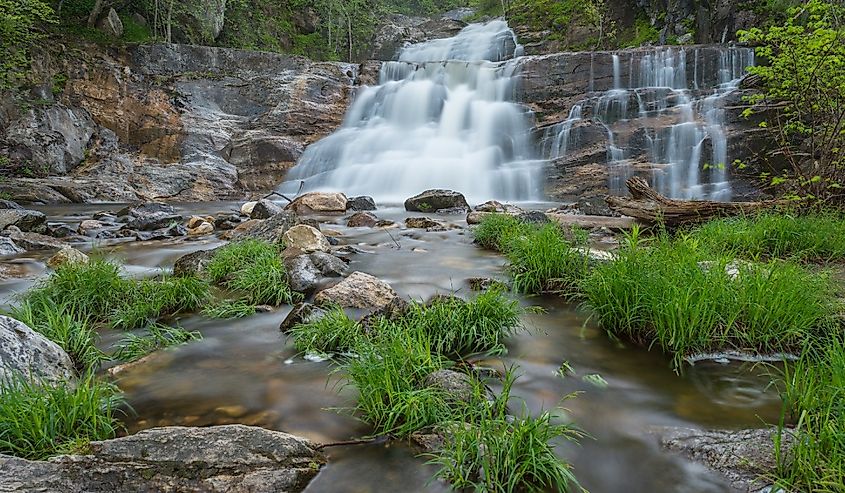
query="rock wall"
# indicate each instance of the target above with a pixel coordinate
(167, 122)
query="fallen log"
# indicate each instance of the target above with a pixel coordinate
(650, 207)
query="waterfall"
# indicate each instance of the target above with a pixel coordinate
(442, 116)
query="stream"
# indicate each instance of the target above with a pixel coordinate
(246, 371)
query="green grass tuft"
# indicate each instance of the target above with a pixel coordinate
(134, 347)
(255, 269)
(39, 421)
(333, 333)
(229, 309)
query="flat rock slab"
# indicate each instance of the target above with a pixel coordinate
(232, 459)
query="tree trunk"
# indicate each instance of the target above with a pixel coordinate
(170, 23)
(648, 206)
(95, 13)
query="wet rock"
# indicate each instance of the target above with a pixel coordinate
(741, 456)
(227, 222)
(26, 351)
(362, 203)
(484, 283)
(204, 228)
(216, 459)
(248, 207)
(306, 239)
(53, 138)
(595, 256)
(265, 209)
(359, 290)
(174, 231)
(423, 223)
(8, 247)
(496, 206)
(111, 24)
(60, 231)
(34, 241)
(302, 274)
(362, 220)
(195, 221)
(533, 217)
(436, 200)
(325, 202)
(430, 442)
(328, 264)
(193, 264)
(105, 216)
(302, 313)
(457, 386)
(67, 255)
(150, 216)
(8, 204)
(24, 219)
(89, 227)
(272, 230)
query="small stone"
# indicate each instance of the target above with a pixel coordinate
(265, 209)
(306, 239)
(61, 231)
(89, 227)
(195, 221)
(362, 220)
(67, 255)
(204, 228)
(25, 220)
(193, 264)
(302, 313)
(247, 208)
(423, 223)
(27, 352)
(302, 274)
(457, 386)
(534, 217)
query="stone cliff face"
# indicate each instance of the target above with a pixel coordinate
(170, 122)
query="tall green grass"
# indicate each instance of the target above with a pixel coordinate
(133, 347)
(254, 269)
(806, 237)
(665, 294)
(335, 332)
(38, 421)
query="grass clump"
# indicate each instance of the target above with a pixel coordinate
(229, 309)
(496, 230)
(684, 300)
(134, 347)
(811, 237)
(255, 269)
(814, 396)
(489, 450)
(38, 421)
(332, 333)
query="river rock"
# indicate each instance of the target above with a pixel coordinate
(89, 227)
(174, 231)
(265, 209)
(362, 220)
(193, 264)
(248, 207)
(8, 204)
(24, 219)
(34, 241)
(362, 203)
(306, 239)
(302, 274)
(302, 313)
(458, 386)
(226, 222)
(272, 230)
(496, 206)
(533, 217)
(423, 223)
(67, 255)
(436, 200)
(328, 264)
(150, 216)
(359, 290)
(215, 459)
(26, 351)
(204, 228)
(61, 231)
(8, 247)
(319, 202)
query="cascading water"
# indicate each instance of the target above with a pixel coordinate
(671, 114)
(442, 116)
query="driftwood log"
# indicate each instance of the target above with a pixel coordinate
(648, 206)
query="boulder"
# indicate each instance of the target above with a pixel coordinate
(456, 385)
(328, 264)
(496, 206)
(265, 209)
(359, 290)
(174, 231)
(362, 220)
(89, 227)
(227, 222)
(534, 217)
(203, 228)
(24, 219)
(67, 255)
(247, 208)
(8, 204)
(230, 458)
(322, 202)
(61, 231)
(195, 221)
(302, 274)
(111, 24)
(362, 203)
(271, 230)
(436, 200)
(34, 241)
(26, 351)
(306, 239)
(302, 313)
(423, 223)
(8, 247)
(193, 264)
(150, 216)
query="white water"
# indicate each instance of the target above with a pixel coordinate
(442, 116)
(683, 120)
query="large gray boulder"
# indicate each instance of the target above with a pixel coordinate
(272, 229)
(231, 459)
(24, 219)
(436, 200)
(302, 274)
(22, 350)
(359, 290)
(150, 216)
(306, 239)
(53, 139)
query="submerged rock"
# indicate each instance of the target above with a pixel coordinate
(230, 459)
(362, 220)
(436, 200)
(423, 223)
(319, 202)
(306, 239)
(359, 290)
(362, 203)
(24, 219)
(25, 351)
(67, 255)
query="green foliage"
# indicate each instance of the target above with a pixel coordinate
(133, 32)
(229, 309)
(19, 24)
(813, 237)
(555, 15)
(686, 300)
(254, 269)
(332, 333)
(496, 230)
(100, 295)
(38, 421)
(805, 81)
(134, 347)
(814, 395)
(488, 450)
(641, 33)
